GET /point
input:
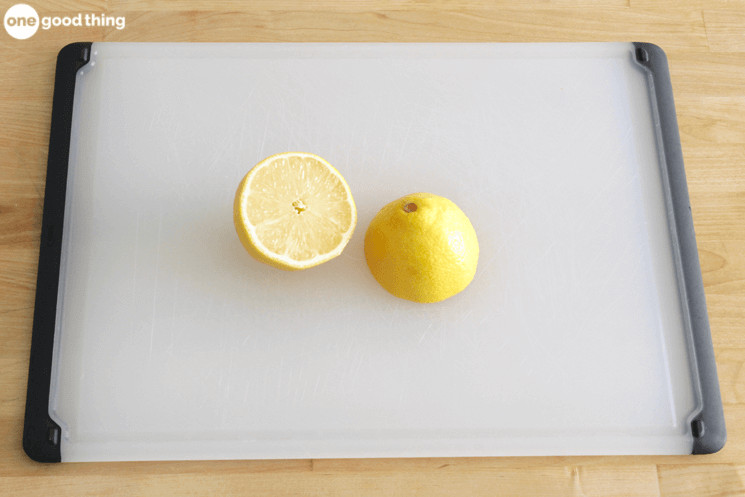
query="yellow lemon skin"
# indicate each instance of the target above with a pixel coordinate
(422, 248)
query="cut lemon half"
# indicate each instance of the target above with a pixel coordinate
(294, 211)
(422, 248)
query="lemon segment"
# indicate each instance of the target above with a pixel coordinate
(294, 211)
(422, 248)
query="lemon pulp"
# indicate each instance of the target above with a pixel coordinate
(294, 211)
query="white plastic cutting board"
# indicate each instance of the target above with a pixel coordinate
(173, 343)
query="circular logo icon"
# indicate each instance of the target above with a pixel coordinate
(21, 21)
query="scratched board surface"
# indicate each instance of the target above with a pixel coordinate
(172, 343)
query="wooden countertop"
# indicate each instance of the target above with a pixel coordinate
(705, 44)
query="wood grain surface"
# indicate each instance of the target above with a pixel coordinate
(705, 44)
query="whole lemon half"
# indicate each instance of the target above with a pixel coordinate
(422, 247)
(294, 211)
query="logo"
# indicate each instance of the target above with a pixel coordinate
(21, 21)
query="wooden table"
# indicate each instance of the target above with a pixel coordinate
(705, 44)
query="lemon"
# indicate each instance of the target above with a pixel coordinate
(422, 247)
(294, 211)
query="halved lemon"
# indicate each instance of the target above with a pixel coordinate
(422, 247)
(294, 211)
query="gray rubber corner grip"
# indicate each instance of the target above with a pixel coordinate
(707, 427)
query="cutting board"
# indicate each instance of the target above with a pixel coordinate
(583, 332)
